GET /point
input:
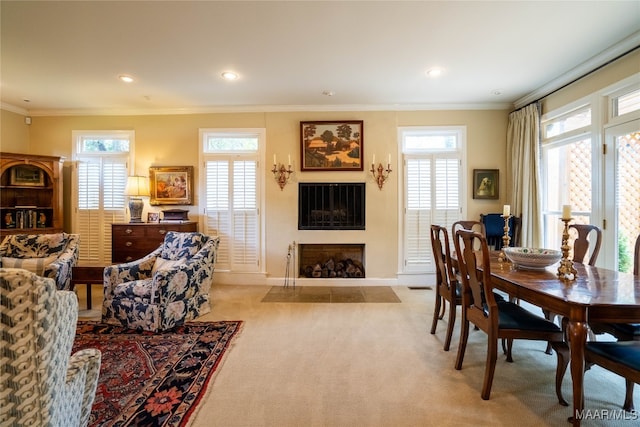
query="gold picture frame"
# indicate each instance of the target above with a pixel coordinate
(171, 185)
(27, 175)
(331, 145)
(485, 183)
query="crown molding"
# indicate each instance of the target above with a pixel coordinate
(625, 46)
(13, 109)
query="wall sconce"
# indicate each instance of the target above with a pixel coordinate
(380, 174)
(281, 173)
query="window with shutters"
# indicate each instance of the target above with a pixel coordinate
(100, 174)
(432, 189)
(231, 196)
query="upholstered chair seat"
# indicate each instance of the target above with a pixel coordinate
(43, 384)
(47, 255)
(163, 289)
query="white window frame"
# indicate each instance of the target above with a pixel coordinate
(458, 153)
(230, 156)
(96, 248)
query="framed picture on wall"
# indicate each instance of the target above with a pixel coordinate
(171, 185)
(331, 145)
(485, 183)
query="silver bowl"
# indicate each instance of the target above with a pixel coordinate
(532, 258)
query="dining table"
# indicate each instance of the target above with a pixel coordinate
(594, 295)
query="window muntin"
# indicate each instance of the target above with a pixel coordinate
(626, 103)
(568, 122)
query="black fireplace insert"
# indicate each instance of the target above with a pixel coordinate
(331, 206)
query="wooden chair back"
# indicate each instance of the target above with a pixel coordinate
(477, 295)
(468, 225)
(586, 246)
(636, 258)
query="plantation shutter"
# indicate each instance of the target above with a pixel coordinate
(432, 197)
(101, 202)
(232, 212)
(245, 216)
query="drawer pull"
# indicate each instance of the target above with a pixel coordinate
(129, 244)
(162, 231)
(128, 231)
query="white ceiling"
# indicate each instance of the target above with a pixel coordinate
(65, 57)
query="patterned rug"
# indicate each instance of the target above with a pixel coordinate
(151, 379)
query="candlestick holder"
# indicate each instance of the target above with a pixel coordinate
(566, 271)
(506, 239)
(380, 174)
(281, 174)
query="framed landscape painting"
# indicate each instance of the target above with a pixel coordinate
(331, 145)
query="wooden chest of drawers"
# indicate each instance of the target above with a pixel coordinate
(133, 241)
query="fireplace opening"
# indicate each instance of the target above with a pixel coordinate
(331, 206)
(329, 260)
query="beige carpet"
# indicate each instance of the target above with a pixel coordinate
(364, 364)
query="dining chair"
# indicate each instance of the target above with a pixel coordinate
(586, 245)
(620, 357)
(447, 285)
(499, 319)
(468, 225)
(494, 230)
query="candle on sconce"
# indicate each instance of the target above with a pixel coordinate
(389, 162)
(289, 160)
(373, 161)
(506, 210)
(274, 159)
(566, 211)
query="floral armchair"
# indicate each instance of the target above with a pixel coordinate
(163, 289)
(43, 384)
(47, 255)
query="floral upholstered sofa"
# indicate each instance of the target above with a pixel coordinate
(43, 383)
(47, 255)
(163, 289)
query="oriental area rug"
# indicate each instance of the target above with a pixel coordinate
(153, 379)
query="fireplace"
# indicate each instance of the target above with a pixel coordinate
(331, 206)
(329, 260)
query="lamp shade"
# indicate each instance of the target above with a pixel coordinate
(137, 186)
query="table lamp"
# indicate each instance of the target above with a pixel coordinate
(136, 186)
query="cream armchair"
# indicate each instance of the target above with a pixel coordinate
(43, 384)
(163, 289)
(47, 255)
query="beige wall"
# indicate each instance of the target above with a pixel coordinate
(14, 133)
(173, 140)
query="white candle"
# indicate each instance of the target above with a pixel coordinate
(373, 162)
(289, 159)
(389, 162)
(506, 210)
(274, 159)
(566, 211)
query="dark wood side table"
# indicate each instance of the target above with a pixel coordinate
(87, 275)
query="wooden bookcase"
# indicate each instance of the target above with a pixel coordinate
(30, 194)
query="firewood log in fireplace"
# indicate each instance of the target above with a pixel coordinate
(330, 268)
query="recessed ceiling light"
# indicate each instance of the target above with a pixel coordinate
(229, 75)
(328, 92)
(125, 78)
(434, 72)
(496, 92)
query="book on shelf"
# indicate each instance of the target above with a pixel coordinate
(174, 221)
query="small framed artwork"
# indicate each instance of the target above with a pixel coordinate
(28, 175)
(331, 145)
(171, 185)
(153, 217)
(485, 183)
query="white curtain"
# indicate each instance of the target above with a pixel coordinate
(523, 172)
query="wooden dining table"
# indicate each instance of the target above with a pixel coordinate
(596, 295)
